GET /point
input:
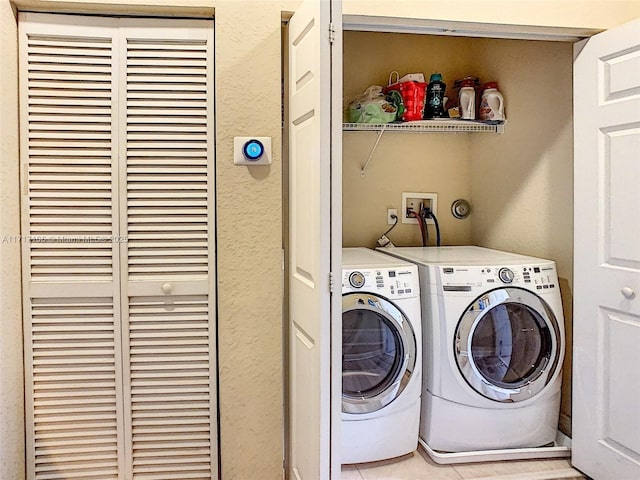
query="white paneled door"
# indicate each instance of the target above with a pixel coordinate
(315, 131)
(606, 374)
(117, 214)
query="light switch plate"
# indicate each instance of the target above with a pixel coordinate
(239, 157)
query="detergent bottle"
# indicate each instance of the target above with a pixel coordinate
(491, 103)
(467, 99)
(434, 105)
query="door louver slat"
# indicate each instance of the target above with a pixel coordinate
(55, 151)
(167, 160)
(67, 439)
(169, 349)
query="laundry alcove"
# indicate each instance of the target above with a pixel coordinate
(520, 182)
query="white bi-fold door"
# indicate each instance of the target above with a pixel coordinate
(315, 216)
(606, 383)
(606, 319)
(117, 220)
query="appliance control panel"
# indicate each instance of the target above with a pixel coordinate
(539, 277)
(392, 283)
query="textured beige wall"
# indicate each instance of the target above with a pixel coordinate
(11, 380)
(248, 102)
(522, 184)
(403, 162)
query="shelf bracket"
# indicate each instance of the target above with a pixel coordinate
(363, 170)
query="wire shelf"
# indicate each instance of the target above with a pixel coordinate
(427, 126)
(421, 126)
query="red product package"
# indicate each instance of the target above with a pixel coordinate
(413, 94)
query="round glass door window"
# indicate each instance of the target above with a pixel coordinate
(511, 345)
(508, 341)
(375, 353)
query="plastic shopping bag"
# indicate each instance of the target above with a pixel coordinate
(372, 107)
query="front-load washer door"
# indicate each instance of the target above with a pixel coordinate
(507, 344)
(378, 352)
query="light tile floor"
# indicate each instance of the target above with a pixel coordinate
(418, 466)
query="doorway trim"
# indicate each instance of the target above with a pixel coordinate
(367, 23)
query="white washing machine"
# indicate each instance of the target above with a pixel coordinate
(381, 356)
(493, 348)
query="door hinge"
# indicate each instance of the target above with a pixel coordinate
(330, 282)
(332, 33)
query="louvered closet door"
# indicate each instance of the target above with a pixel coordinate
(117, 177)
(71, 269)
(166, 213)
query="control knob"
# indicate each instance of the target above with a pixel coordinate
(356, 279)
(506, 275)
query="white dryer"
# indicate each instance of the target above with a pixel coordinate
(381, 356)
(493, 348)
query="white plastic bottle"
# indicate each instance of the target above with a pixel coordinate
(467, 102)
(492, 103)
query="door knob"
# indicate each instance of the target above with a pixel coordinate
(166, 288)
(628, 293)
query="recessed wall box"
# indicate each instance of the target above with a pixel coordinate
(412, 201)
(252, 150)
